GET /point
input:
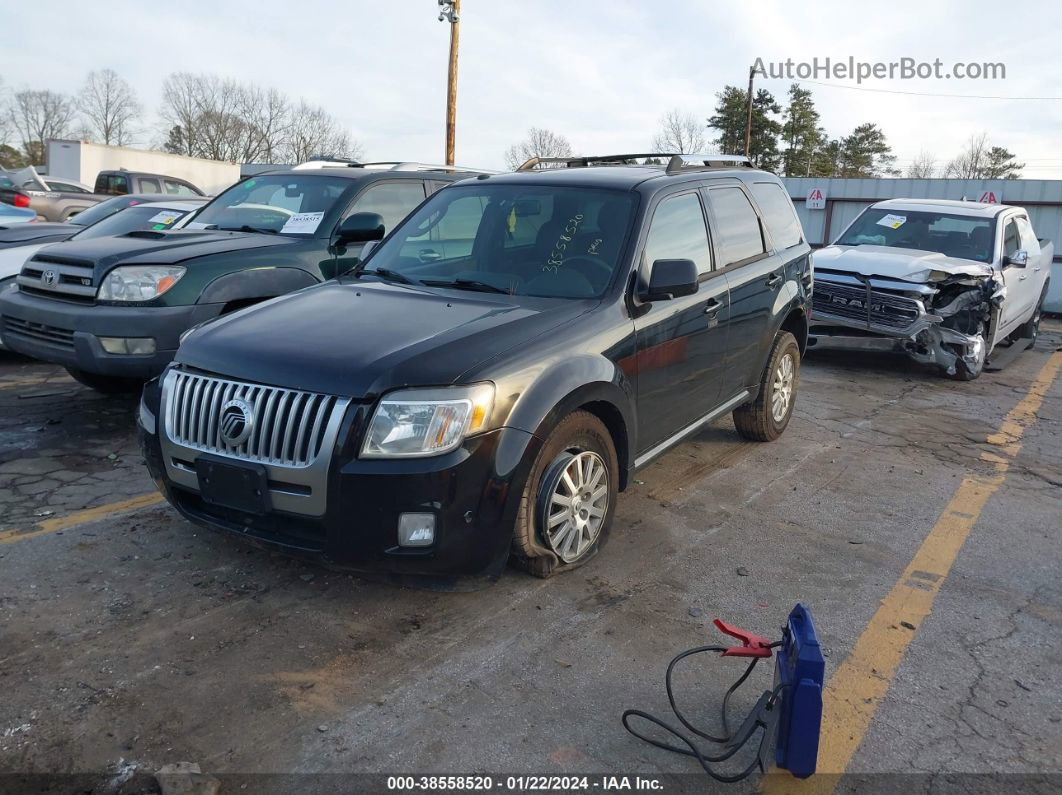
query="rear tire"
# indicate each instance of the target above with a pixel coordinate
(569, 499)
(106, 384)
(765, 418)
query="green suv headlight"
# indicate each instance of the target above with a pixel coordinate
(139, 282)
(415, 423)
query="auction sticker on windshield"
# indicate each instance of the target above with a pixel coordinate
(166, 217)
(892, 221)
(302, 224)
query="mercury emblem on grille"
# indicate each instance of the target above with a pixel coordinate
(49, 278)
(237, 422)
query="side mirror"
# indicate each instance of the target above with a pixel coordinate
(1019, 259)
(671, 278)
(361, 228)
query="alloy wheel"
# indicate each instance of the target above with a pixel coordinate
(782, 387)
(577, 504)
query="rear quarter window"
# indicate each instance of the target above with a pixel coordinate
(778, 214)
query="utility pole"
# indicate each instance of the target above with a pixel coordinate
(450, 11)
(748, 115)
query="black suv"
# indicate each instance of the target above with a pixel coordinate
(112, 310)
(438, 414)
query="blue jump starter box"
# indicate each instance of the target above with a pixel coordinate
(799, 670)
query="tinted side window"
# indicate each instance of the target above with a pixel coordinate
(678, 232)
(778, 214)
(117, 184)
(178, 188)
(1027, 236)
(149, 185)
(1011, 242)
(392, 200)
(738, 227)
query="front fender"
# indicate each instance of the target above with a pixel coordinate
(255, 283)
(582, 381)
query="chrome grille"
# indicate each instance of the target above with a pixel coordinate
(59, 277)
(868, 307)
(288, 426)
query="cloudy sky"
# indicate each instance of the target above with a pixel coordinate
(601, 73)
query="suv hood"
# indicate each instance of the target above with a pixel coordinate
(162, 248)
(358, 339)
(21, 234)
(906, 264)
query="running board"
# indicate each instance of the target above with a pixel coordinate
(656, 450)
(1002, 357)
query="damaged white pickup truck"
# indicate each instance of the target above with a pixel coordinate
(944, 281)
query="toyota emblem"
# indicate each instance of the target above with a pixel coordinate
(49, 278)
(237, 422)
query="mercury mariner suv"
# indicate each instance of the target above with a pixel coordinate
(488, 379)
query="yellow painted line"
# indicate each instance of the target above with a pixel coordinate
(81, 517)
(859, 685)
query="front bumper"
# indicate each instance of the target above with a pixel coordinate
(68, 333)
(861, 318)
(473, 492)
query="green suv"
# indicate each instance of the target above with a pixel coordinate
(112, 310)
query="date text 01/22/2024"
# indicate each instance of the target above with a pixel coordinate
(523, 783)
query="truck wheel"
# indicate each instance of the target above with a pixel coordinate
(106, 384)
(1030, 329)
(570, 497)
(764, 419)
(968, 372)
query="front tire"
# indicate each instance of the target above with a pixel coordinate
(1030, 329)
(569, 499)
(106, 384)
(969, 371)
(765, 418)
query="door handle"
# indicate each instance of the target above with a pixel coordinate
(774, 280)
(712, 307)
(429, 255)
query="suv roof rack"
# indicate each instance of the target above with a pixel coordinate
(676, 162)
(384, 165)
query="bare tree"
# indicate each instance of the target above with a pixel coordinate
(312, 131)
(539, 143)
(40, 115)
(981, 161)
(970, 163)
(922, 167)
(680, 133)
(207, 116)
(110, 108)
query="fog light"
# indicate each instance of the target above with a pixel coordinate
(416, 529)
(135, 346)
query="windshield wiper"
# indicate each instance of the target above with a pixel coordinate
(389, 275)
(468, 284)
(246, 228)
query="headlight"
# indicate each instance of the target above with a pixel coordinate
(423, 422)
(139, 282)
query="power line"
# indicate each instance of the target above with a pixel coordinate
(923, 94)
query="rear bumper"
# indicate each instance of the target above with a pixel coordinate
(68, 333)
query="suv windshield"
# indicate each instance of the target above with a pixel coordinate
(293, 204)
(142, 216)
(517, 239)
(960, 236)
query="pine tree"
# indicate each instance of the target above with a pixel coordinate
(866, 153)
(731, 112)
(800, 132)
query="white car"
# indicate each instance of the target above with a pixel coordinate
(160, 216)
(944, 281)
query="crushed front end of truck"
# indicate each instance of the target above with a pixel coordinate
(946, 320)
